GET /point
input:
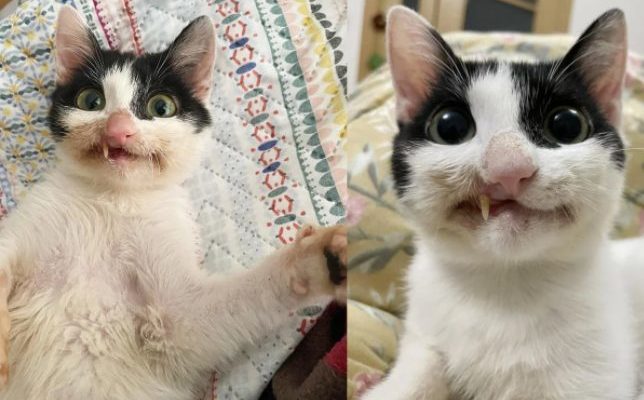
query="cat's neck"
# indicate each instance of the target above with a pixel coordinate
(520, 281)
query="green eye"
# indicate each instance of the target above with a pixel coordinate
(90, 100)
(162, 106)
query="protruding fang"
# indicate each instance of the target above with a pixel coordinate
(106, 151)
(484, 203)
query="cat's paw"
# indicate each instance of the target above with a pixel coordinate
(320, 262)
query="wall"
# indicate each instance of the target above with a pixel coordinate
(585, 11)
(352, 40)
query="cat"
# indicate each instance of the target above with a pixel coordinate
(511, 174)
(101, 292)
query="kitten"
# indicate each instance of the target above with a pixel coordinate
(100, 277)
(511, 174)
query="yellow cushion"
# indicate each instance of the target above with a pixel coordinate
(373, 339)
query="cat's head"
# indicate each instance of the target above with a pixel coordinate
(539, 142)
(128, 121)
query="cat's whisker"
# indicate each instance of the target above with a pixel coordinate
(432, 59)
(161, 64)
(558, 76)
(456, 64)
(453, 68)
(553, 69)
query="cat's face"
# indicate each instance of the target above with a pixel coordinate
(127, 121)
(507, 161)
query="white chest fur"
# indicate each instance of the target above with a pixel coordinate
(533, 334)
(85, 287)
(109, 302)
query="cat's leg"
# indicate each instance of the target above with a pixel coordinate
(418, 374)
(216, 317)
(313, 269)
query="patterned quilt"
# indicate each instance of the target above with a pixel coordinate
(380, 240)
(279, 111)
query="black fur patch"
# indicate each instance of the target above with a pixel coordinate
(539, 95)
(146, 73)
(337, 270)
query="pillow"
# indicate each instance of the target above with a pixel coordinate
(373, 339)
(278, 110)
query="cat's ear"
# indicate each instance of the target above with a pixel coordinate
(192, 55)
(599, 56)
(417, 56)
(73, 43)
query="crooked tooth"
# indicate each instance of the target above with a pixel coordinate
(106, 150)
(484, 203)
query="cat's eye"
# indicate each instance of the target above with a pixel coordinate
(162, 106)
(90, 99)
(567, 125)
(450, 126)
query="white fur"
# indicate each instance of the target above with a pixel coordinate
(107, 298)
(109, 302)
(544, 311)
(119, 90)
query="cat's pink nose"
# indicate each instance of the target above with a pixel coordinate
(508, 166)
(119, 129)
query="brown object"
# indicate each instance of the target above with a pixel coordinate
(552, 16)
(317, 368)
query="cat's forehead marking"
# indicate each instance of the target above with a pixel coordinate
(494, 101)
(119, 87)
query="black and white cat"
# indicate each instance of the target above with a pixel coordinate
(101, 294)
(511, 174)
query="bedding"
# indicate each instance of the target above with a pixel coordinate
(380, 240)
(274, 161)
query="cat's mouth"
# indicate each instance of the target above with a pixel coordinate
(123, 157)
(114, 155)
(483, 209)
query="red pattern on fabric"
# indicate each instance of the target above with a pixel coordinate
(258, 111)
(136, 36)
(104, 25)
